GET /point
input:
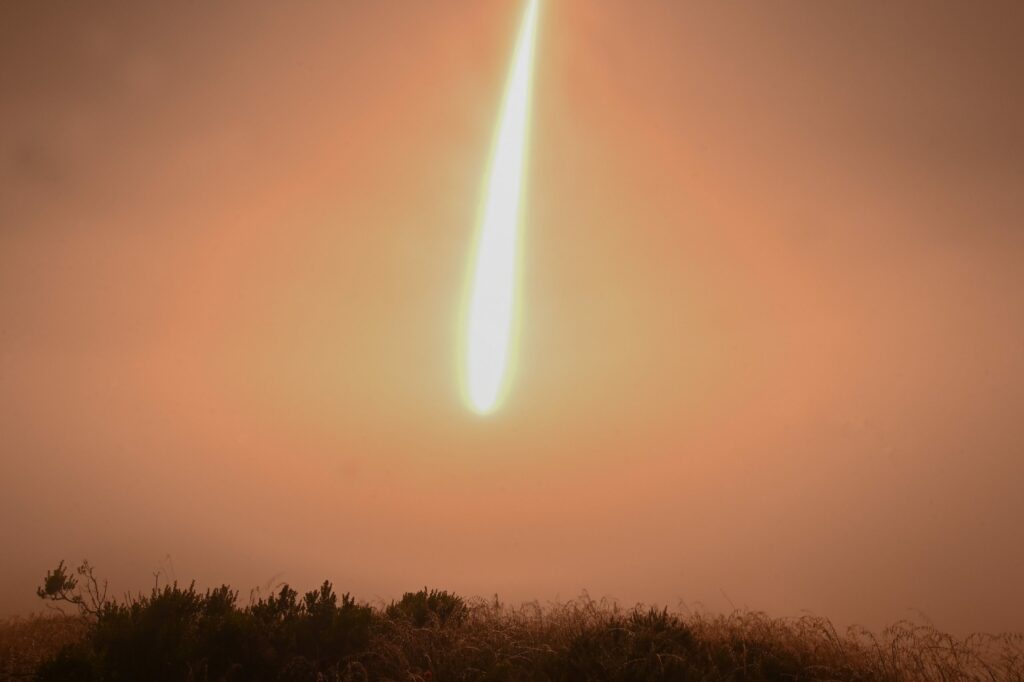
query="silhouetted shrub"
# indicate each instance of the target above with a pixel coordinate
(59, 585)
(177, 633)
(436, 607)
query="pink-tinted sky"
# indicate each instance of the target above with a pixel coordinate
(773, 333)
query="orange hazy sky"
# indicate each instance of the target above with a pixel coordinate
(772, 348)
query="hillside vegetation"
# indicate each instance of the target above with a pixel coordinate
(179, 633)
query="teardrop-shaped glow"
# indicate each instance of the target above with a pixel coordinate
(493, 278)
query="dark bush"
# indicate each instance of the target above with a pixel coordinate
(178, 633)
(434, 607)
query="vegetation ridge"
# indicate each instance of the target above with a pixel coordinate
(177, 632)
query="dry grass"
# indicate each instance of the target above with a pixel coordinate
(25, 642)
(606, 642)
(597, 640)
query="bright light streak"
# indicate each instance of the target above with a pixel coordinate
(494, 274)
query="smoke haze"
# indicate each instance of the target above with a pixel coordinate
(773, 333)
